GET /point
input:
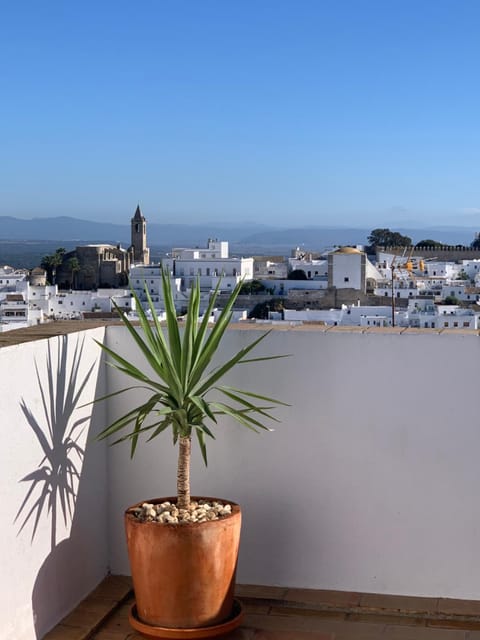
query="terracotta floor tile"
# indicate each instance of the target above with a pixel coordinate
(376, 618)
(318, 613)
(253, 607)
(344, 630)
(398, 603)
(113, 587)
(454, 624)
(425, 633)
(112, 635)
(319, 596)
(461, 607)
(89, 613)
(292, 635)
(118, 623)
(260, 591)
(61, 632)
(242, 633)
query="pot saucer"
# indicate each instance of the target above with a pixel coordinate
(166, 633)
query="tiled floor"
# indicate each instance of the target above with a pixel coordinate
(274, 613)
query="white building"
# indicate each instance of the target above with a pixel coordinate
(348, 315)
(208, 265)
(349, 268)
(461, 291)
(33, 304)
(266, 268)
(10, 277)
(313, 269)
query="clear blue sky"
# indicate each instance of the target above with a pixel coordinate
(358, 112)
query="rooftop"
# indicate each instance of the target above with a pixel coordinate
(362, 507)
(275, 613)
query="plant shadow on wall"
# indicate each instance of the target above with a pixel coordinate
(53, 485)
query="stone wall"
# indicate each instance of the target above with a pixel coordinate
(446, 253)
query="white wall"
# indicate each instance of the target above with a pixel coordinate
(46, 573)
(358, 488)
(369, 483)
(347, 271)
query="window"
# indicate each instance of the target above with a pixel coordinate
(466, 323)
(445, 324)
(346, 279)
(455, 324)
(208, 271)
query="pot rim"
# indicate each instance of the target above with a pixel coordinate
(236, 511)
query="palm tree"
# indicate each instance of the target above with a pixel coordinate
(51, 262)
(182, 382)
(74, 266)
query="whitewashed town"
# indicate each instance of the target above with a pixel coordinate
(430, 286)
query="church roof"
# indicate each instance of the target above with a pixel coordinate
(138, 213)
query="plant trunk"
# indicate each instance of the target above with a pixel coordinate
(183, 472)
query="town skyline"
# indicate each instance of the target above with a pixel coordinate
(349, 113)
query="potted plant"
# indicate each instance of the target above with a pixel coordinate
(183, 549)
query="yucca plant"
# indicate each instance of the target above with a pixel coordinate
(179, 379)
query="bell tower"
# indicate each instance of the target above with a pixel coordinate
(141, 253)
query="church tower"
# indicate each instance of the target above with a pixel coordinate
(141, 253)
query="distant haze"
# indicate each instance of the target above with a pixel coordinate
(314, 238)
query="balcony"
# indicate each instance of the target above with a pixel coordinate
(358, 491)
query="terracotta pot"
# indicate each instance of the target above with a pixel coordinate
(183, 575)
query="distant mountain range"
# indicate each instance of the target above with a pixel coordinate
(76, 231)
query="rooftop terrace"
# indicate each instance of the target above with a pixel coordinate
(368, 488)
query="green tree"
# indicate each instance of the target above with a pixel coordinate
(252, 287)
(74, 266)
(51, 262)
(451, 300)
(387, 238)
(262, 309)
(476, 243)
(429, 244)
